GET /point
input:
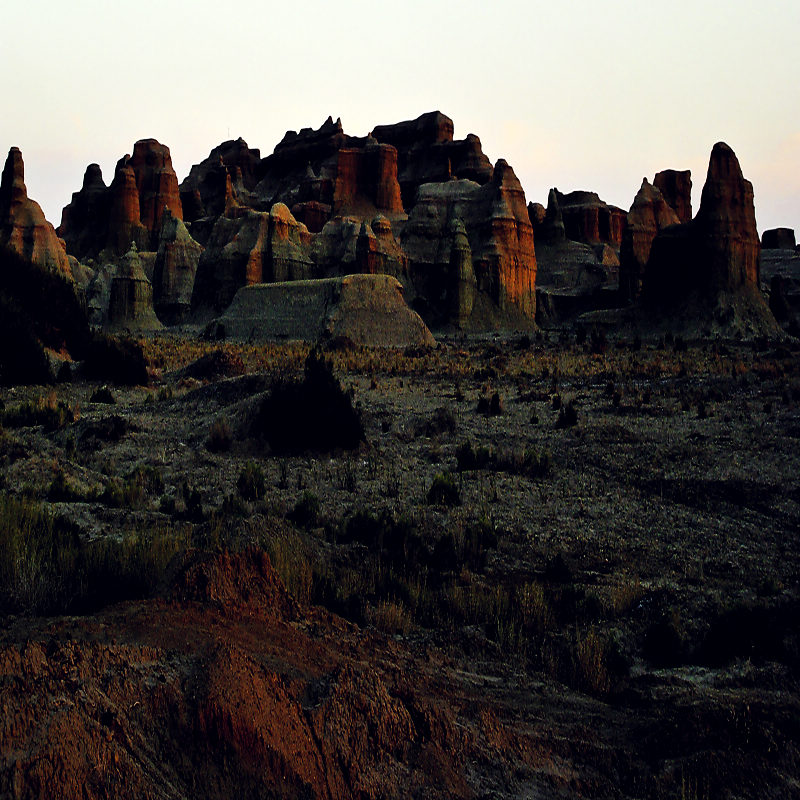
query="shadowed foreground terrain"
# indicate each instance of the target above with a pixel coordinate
(497, 568)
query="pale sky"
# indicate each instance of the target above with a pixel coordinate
(579, 94)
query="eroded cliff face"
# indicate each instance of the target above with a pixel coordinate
(717, 251)
(174, 270)
(23, 227)
(500, 237)
(101, 222)
(649, 214)
(322, 204)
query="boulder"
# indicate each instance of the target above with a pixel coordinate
(174, 270)
(649, 214)
(676, 188)
(23, 227)
(366, 309)
(130, 305)
(778, 239)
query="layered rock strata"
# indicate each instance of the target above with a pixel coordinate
(23, 227)
(130, 305)
(365, 309)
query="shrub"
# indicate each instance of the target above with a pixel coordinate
(118, 360)
(305, 513)
(220, 437)
(103, 395)
(50, 412)
(45, 566)
(314, 414)
(567, 415)
(490, 405)
(251, 484)
(444, 491)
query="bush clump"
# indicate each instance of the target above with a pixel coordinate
(50, 412)
(313, 414)
(220, 437)
(251, 482)
(444, 491)
(118, 360)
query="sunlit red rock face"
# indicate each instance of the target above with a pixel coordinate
(106, 221)
(500, 238)
(719, 250)
(676, 187)
(649, 214)
(23, 227)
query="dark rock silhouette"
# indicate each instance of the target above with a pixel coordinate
(778, 239)
(676, 188)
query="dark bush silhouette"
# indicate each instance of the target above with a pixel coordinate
(313, 414)
(120, 361)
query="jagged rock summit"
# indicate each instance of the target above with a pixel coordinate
(23, 227)
(713, 261)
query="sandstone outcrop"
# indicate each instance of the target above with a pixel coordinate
(715, 258)
(130, 305)
(778, 239)
(589, 220)
(500, 236)
(157, 185)
(23, 227)
(649, 214)
(366, 309)
(229, 174)
(427, 153)
(676, 188)
(102, 222)
(287, 256)
(174, 270)
(234, 257)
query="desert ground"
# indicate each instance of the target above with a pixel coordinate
(554, 565)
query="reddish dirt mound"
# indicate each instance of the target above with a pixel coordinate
(232, 581)
(225, 688)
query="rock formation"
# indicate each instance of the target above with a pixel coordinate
(230, 172)
(234, 257)
(321, 205)
(427, 153)
(157, 185)
(366, 309)
(676, 188)
(23, 227)
(174, 270)
(500, 236)
(101, 222)
(649, 214)
(130, 305)
(778, 239)
(714, 259)
(589, 220)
